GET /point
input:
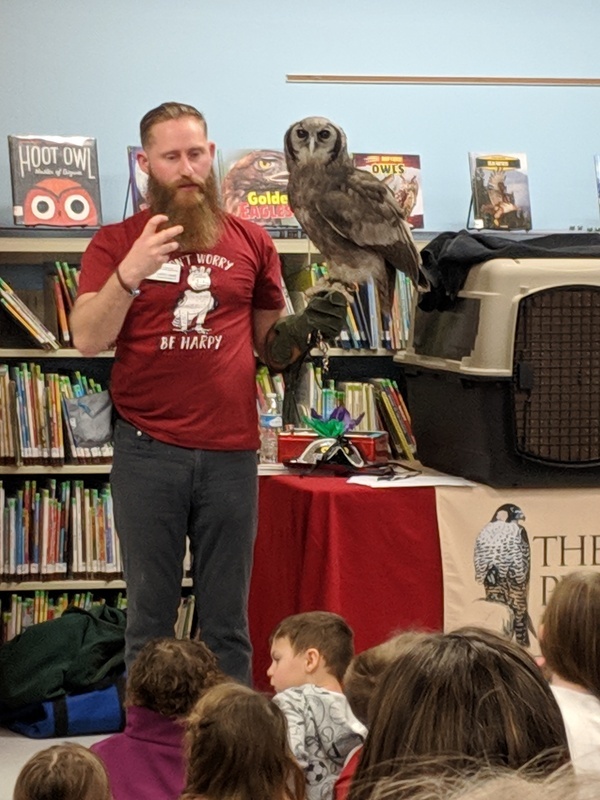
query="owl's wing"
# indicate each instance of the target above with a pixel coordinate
(364, 211)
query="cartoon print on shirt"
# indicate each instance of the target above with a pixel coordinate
(197, 301)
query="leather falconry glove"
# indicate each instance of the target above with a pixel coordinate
(326, 313)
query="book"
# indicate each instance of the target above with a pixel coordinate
(402, 173)
(597, 171)
(254, 187)
(55, 181)
(26, 319)
(500, 191)
(138, 180)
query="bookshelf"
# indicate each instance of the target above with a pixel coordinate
(26, 256)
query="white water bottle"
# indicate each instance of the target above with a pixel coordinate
(270, 425)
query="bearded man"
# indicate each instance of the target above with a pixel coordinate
(188, 293)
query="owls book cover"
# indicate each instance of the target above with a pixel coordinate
(500, 191)
(254, 187)
(55, 181)
(402, 173)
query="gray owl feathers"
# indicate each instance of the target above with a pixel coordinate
(502, 561)
(351, 217)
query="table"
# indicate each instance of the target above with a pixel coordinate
(372, 555)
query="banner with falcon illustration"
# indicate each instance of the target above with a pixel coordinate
(504, 551)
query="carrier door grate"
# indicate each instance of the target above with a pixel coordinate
(556, 388)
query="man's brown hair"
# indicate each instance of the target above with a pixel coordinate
(327, 632)
(571, 630)
(165, 112)
(69, 771)
(170, 675)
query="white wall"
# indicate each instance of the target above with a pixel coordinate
(94, 67)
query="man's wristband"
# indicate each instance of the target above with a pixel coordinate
(128, 289)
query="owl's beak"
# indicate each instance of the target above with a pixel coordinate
(311, 146)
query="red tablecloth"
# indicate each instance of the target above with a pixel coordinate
(372, 555)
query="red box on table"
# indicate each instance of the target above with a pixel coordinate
(372, 445)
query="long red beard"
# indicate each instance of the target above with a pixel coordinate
(199, 212)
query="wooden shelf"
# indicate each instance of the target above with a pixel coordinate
(69, 585)
(66, 469)
(35, 352)
(77, 245)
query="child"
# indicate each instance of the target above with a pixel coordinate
(236, 748)
(462, 700)
(310, 653)
(165, 681)
(360, 681)
(570, 642)
(66, 772)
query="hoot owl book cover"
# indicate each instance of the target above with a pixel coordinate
(254, 187)
(500, 188)
(402, 173)
(55, 181)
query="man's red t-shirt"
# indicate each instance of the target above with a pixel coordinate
(184, 370)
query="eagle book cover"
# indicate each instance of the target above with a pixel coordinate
(138, 180)
(402, 173)
(254, 187)
(55, 181)
(500, 190)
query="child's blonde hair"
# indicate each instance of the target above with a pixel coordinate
(65, 771)
(237, 748)
(327, 632)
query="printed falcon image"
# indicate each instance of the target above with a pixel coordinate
(502, 560)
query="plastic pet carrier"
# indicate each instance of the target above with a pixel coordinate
(504, 388)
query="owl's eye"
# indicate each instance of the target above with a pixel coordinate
(324, 134)
(43, 207)
(77, 207)
(262, 164)
(302, 134)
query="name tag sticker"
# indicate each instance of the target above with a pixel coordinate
(169, 272)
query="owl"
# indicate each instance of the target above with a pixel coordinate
(259, 170)
(60, 202)
(351, 217)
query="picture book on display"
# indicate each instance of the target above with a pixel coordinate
(402, 173)
(597, 169)
(254, 187)
(138, 180)
(500, 190)
(55, 181)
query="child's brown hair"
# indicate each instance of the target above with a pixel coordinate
(570, 640)
(63, 772)
(327, 632)
(237, 748)
(364, 673)
(170, 675)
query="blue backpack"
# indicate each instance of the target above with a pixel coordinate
(99, 710)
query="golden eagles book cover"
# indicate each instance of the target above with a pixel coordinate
(402, 173)
(55, 181)
(254, 187)
(500, 190)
